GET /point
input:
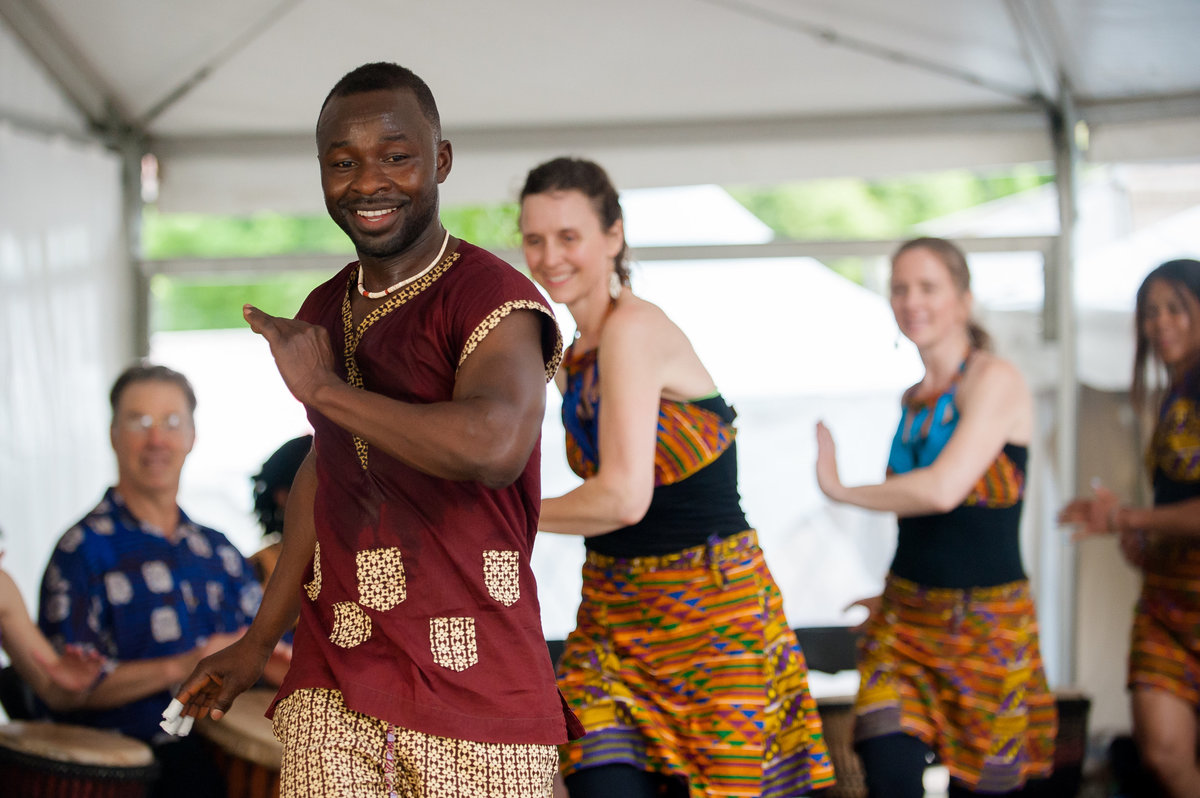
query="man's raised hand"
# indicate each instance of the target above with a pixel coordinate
(302, 351)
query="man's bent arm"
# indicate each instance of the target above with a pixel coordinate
(485, 433)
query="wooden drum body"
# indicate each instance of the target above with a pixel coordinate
(39, 759)
(244, 746)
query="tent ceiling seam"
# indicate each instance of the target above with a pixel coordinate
(37, 127)
(221, 57)
(64, 63)
(873, 50)
(1035, 31)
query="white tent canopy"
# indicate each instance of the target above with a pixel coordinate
(672, 92)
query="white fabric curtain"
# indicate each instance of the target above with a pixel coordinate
(65, 310)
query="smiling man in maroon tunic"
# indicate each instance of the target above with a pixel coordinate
(419, 666)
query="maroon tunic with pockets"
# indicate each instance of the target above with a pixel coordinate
(421, 606)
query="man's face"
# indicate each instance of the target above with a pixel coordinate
(380, 169)
(152, 434)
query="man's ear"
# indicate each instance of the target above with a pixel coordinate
(445, 159)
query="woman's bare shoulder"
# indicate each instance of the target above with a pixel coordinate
(990, 366)
(636, 320)
(993, 379)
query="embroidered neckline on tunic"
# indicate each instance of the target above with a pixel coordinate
(353, 335)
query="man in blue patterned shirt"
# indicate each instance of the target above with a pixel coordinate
(144, 584)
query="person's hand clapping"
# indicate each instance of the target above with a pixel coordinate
(76, 669)
(1091, 516)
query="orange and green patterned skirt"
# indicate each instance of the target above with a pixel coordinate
(961, 671)
(684, 665)
(1165, 651)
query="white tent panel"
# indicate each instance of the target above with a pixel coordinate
(264, 65)
(666, 93)
(540, 62)
(1149, 140)
(1114, 48)
(65, 299)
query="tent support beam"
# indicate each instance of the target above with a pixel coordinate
(1061, 328)
(880, 248)
(882, 52)
(63, 61)
(133, 148)
(240, 42)
(672, 134)
(1036, 32)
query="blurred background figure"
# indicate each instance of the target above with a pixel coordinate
(1162, 541)
(951, 663)
(62, 681)
(271, 487)
(142, 583)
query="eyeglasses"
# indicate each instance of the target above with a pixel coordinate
(170, 424)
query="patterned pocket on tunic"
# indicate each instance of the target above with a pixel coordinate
(380, 578)
(502, 575)
(351, 625)
(452, 641)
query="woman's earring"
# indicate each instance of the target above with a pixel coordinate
(614, 286)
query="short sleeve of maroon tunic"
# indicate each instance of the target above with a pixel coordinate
(421, 607)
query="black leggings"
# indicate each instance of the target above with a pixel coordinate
(625, 781)
(894, 765)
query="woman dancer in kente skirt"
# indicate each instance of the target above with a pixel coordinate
(682, 666)
(1164, 540)
(950, 661)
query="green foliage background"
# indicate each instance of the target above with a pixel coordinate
(215, 301)
(820, 209)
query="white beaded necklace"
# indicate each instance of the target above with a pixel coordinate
(406, 280)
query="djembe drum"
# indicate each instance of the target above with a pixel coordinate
(244, 746)
(39, 759)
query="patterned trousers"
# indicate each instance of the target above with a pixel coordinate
(335, 752)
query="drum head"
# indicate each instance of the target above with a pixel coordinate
(76, 750)
(61, 742)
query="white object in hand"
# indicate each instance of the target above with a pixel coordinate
(173, 710)
(173, 722)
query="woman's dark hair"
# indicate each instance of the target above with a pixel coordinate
(956, 264)
(590, 179)
(279, 471)
(1183, 276)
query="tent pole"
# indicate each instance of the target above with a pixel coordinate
(130, 143)
(132, 151)
(1061, 327)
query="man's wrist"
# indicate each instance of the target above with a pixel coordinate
(259, 644)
